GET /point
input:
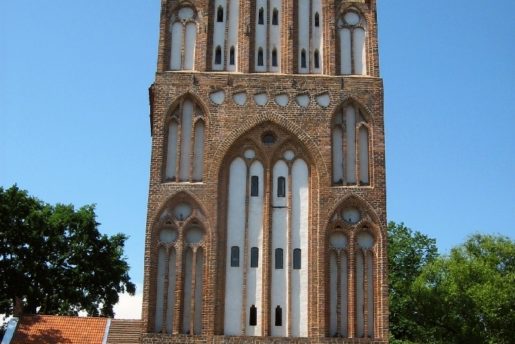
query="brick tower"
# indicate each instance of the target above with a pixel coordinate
(267, 208)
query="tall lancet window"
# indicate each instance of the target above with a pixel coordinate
(352, 38)
(365, 262)
(267, 36)
(225, 35)
(185, 143)
(183, 36)
(287, 199)
(310, 39)
(351, 147)
(180, 267)
(352, 272)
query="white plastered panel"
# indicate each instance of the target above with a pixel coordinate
(350, 122)
(188, 266)
(199, 283)
(186, 131)
(235, 237)
(255, 239)
(189, 46)
(345, 52)
(303, 21)
(176, 46)
(219, 33)
(161, 271)
(199, 151)
(171, 154)
(279, 285)
(232, 36)
(299, 239)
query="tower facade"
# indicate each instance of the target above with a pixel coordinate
(267, 206)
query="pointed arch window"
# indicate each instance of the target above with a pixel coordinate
(218, 55)
(183, 37)
(185, 143)
(281, 187)
(316, 58)
(274, 57)
(352, 33)
(232, 57)
(350, 146)
(260, 58)
(279, 259)
(278, 316)
(261, 16)
(168, 274)
(303, 59)
(253, 316)
(275, 17)
(220, 14)
(310, 40)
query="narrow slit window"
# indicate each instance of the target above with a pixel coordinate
(279, 258)
(303, 62)
(281, 187)
(220, 14)
(232, 57)
(317, 20)
(261, 16)
(317, 59)
(254, 186)
(253, 316)
(260, 57)
(235, 256)
(278, 316)
(218, 55)
(254, 257)
(297, 259)
(274, 58)
(275, 17)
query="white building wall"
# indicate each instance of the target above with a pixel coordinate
(232, 35)
(171, 292)
(299, 239)
(360, 300)
(261, 34)
(188, 266)
(177, 31)
(344, 292)
(255, 239)
(275, 35)
(337, 154)
(198, 163)
(333, 290)
(350, 122)
(303, 19)
(359, 52)
(363, 154)
(199, 268)
(316, 35)
(235, 237)
(186, 131)
(219, 33)
(189, 46)
(370, 294)
(161, 271)
(279, 284)
(345, 52)
(171, 153)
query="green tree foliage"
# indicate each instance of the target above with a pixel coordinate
(469, 296)
(408, 253)
(54, 259)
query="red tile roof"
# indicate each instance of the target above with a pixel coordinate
(48, 329)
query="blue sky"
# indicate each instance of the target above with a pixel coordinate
(74, 125)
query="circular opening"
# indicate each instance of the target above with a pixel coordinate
(351, 18)
(289, 155)
(194, 235)
(168, 235)
(365, 240)
(249, 154)
(182, 211)
(338, 240)
(351, 215)
(268, 138)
